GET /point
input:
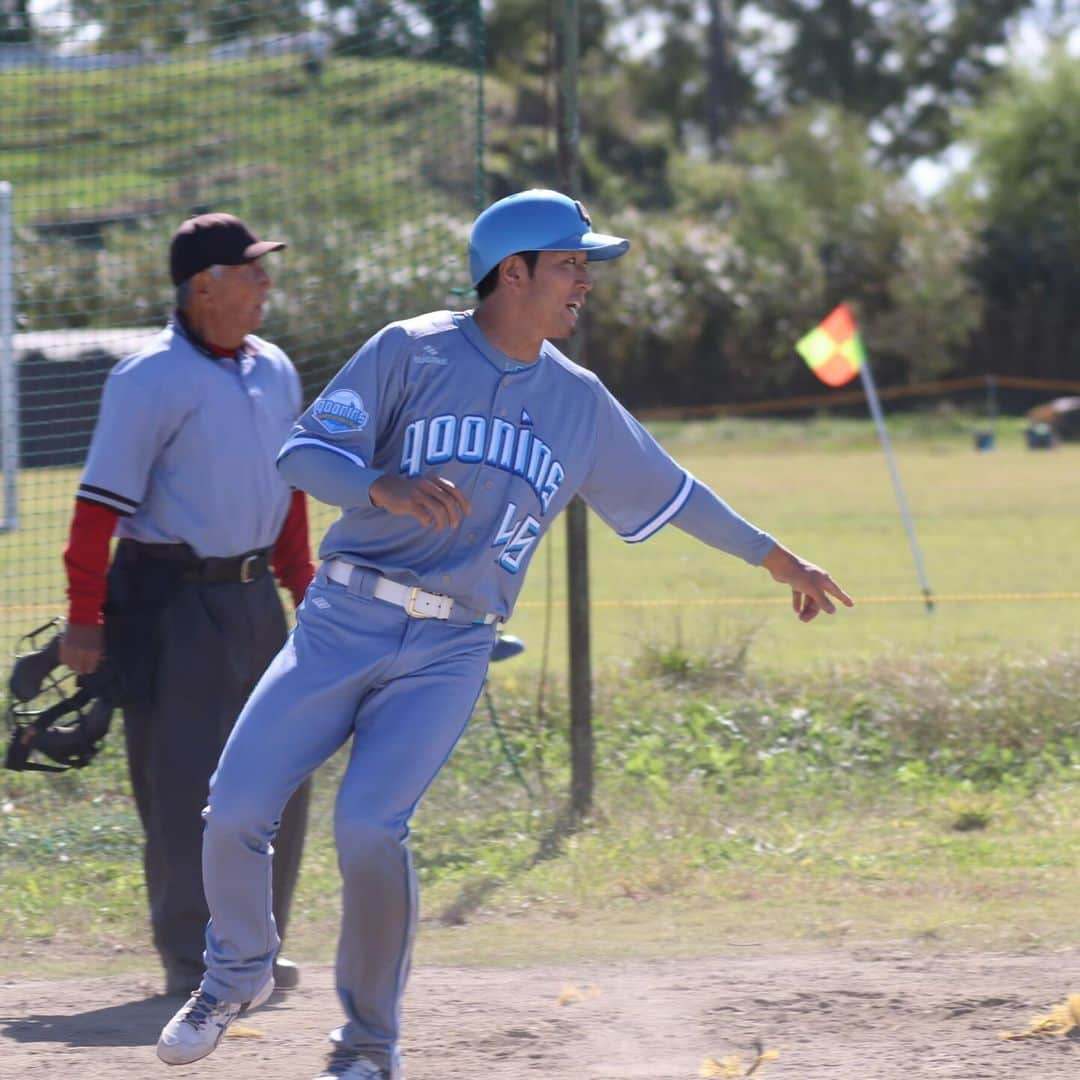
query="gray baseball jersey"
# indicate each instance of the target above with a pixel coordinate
(427, 395)
(430, 394)
(185, 443)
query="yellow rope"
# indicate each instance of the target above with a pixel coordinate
(716, 601)
(763, 601)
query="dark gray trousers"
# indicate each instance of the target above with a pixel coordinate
(210, 645)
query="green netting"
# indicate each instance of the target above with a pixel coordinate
(350, 129)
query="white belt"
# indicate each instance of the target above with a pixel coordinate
(417, 602)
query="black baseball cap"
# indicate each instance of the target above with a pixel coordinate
(214, 240)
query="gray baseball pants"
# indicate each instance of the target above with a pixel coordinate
(402, 690)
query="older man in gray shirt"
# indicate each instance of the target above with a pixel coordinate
(187, 616)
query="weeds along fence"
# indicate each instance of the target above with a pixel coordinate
(356, 137)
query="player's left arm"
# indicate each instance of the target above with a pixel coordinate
(637, 488)
(811, 587)
(707, 517)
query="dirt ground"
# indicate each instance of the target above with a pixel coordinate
(854, 1014)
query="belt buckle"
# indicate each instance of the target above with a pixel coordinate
(410, 606)
(247, 569)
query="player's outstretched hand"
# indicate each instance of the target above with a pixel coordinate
(432, 500)
(811, 587)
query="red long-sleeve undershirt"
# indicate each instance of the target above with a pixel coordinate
(291, 558)
(86, 557)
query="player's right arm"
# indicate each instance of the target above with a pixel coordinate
(331, 478)
(433, 500)
(329, 452)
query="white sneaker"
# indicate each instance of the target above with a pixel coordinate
(198, 1027)
(352, 1065)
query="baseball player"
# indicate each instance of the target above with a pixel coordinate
(181, 468)
(451, 441)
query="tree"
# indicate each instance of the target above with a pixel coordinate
(1024, 192)
(904, 65)
(169, 24)
(693, 79)
(16, 27)
(373, 28)
(795, 220)
(720, 101)
(444, 30)
(523, 55)
(521, 34)
(454, 24)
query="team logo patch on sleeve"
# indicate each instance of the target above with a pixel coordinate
(340, 412)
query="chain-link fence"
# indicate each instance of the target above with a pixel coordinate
(352, 130)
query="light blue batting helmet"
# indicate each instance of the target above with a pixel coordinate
(535, 220)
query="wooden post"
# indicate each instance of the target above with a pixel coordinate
(582, 742)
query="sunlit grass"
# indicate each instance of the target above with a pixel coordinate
(986, 523)
(884, 775)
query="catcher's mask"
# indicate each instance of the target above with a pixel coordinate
(62, 716)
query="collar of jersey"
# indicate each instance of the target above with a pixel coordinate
(475, 336)
(180, 325)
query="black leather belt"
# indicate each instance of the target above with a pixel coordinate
(243, 569)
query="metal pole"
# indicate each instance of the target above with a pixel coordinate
(582, 741)
(569, 120)
(879, 419)
(480, 177)
(9, 386)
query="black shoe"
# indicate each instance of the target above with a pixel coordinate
(286, 974)
(181, 981)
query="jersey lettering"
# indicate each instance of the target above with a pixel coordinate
(506, 529)
(555, 477)
(473, 439)
(440, 440)
(522, 454)
(539, 460)
(501, 444)
(523, 535)
(412, 450)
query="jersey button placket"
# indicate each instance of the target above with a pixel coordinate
(256, 401)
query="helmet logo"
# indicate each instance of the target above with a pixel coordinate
(583, 212)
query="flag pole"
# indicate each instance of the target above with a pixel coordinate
(879, 420)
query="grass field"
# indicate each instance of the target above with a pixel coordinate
(884, 774)
(990, 525)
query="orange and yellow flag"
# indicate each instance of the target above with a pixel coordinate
(834, 349)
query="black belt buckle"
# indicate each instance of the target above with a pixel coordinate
(248, 566)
